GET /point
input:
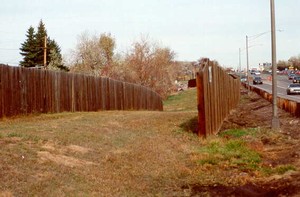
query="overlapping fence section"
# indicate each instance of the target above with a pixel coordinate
(218, 93)
(25, 91)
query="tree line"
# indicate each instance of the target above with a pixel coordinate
(146, 62)
(294, 62)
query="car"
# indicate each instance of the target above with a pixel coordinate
(296, 79)
(291, 76)
(293, 88)
(257, 80)
(255, 72)
(243, 78)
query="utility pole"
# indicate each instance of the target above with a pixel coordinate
(275, 120)
(45, 53)
(247, 54)
(240, 66)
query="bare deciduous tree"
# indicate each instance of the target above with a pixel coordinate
(152, 66)
(146, 63)
(94, 55)
(295, 61)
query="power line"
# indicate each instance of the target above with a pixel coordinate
(10, 63)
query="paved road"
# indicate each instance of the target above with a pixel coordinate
(282, 84)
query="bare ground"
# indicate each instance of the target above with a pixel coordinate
(256, 112)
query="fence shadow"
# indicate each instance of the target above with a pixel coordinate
(190, 126)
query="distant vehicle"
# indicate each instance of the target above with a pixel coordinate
(255, 72)
(257, 80)
(293, 88)
(296, 79)
(243, 78)
(291, 76)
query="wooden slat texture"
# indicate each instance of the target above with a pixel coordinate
(217, 94)
(29, 90)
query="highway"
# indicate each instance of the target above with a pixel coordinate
(282, 84)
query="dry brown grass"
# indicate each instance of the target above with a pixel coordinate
(110, 153)
(115, 153)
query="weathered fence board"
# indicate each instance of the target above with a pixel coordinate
(25, 91)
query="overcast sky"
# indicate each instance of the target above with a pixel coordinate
(192, 28)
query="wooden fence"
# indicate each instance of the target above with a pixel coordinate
(25, 91)
(218, 93)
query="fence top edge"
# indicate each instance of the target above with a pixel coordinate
(74, 75)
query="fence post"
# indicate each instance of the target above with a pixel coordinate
(201, 105)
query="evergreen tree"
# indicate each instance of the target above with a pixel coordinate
(33, 49)
(40, 43)
(56, 62)
(52, 45)
(28, 49)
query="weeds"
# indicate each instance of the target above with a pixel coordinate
(233, 153)
(24, 136)
(284, 168)
(237, 133)
(14, 134)
(281, 169)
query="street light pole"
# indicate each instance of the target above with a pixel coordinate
(247, 54)
(275, 120)
(240, 63)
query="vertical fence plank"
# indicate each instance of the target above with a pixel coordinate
(7, 92)
(201, 107)
(1, 91)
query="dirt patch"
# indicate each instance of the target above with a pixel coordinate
(78, 149)
(50, 146)
(255, 112)
(62, 159)
(271, 189)
(6, 194)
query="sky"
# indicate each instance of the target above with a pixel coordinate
(193, 29)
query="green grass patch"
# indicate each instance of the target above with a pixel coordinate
(233, 153)
(281, 169)
(237, 133)
(182, 101)
(14, 134)
(24, 136)
(284, 168)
